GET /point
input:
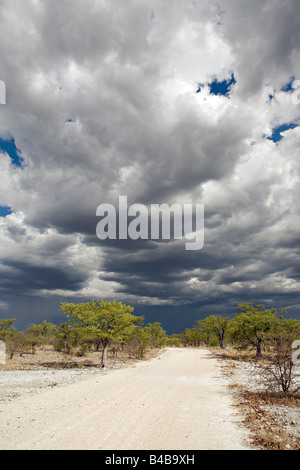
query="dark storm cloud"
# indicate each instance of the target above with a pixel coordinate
(265, 37)
(101, 102)
(24, 278)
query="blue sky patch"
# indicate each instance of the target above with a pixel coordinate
(4, 211)
(223, 87)
(276, 133)
(9, 146)
(288, 86)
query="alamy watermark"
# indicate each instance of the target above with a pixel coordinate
(2, 353)
(2, 92)
(296, 94)
(296, 354)
(158, 222)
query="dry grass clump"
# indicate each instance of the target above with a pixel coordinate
(47, 357)
(269, 431)
(271, 415)
(236, 355)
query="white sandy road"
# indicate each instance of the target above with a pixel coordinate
(177, 401)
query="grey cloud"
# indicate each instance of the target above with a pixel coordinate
(264, 36)
(102, 102)
(26, 278)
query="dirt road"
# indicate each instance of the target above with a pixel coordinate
(177, 401)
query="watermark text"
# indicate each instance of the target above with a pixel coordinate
(2, 92)
(296, 94)
(2, 353)
(296, 354)
(159, 222)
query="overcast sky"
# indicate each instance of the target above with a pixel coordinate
(171, 101)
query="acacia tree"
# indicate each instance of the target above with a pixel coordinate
(42, 333)
(253, 325)
(280, 372)
(43, 330)
(204, 331)
(107, 321)
(7, 333)
(6, 330)
(157, 334)
(217, 325)
(140, 338)
(65, 338)
(192, 336)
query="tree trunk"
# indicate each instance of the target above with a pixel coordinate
(258, 348)
(104, 355)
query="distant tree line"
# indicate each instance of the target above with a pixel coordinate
(253, 327)
(267, 332)
(98, 325)
(90, 326)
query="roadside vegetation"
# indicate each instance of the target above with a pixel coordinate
(94, 327)
(101, 326)
(264, 343)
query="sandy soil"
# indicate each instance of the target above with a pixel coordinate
(176, 401)
(274, 423)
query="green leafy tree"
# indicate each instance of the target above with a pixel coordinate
(16, 341)
(158, 335)
(204, 331)
(217, 325)
(65, 338)
(192, 336)
(32, 340)
(41, 334)
(287, 328)
(280, 372)
(173, 340)
(6, 330)
(42, 330)
(140, 338)
(108, 321)
(253, 325)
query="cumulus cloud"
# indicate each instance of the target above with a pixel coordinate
(106, 100)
